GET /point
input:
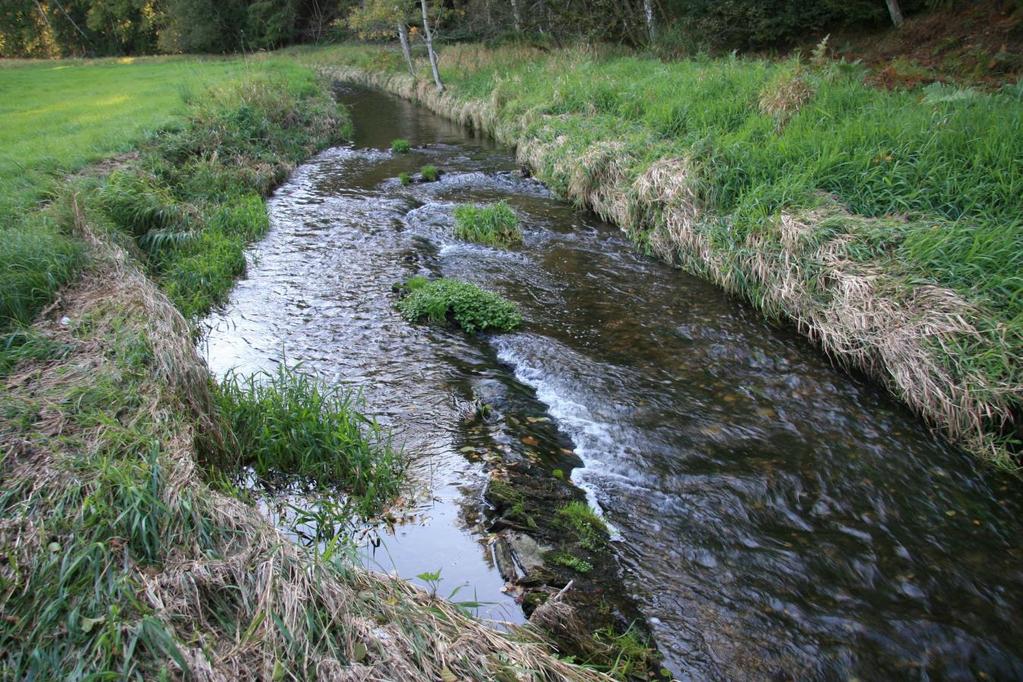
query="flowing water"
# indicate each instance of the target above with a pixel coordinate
(775, 517)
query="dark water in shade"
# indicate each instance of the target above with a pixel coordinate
(776, 518)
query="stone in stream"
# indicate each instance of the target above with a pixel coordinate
(538, 553)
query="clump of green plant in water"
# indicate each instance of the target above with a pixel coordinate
(558, 474)
(573, 562)
(290, 423)
(589, 528)
(401, 146)
(628, 656)
(450, 300)
(511, 501)
(494, 225)
(405, 179)
(429, 173)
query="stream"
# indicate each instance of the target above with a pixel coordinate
(774, 517)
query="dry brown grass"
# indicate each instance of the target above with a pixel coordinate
(784, 96)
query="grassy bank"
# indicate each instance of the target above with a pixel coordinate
(122, 556)
(887, 225)
(58, 117)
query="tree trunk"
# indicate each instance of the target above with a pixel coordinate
(428, 39)
(545, 16)
(516, 16)
(651, 24)
(895, 11)
(405, 50)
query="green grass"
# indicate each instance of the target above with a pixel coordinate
(61, 115)
(429, 173)
(289, 423)
(405, 179)
(588, 527)
(493, 225)
(401, 146)
(58, 117)
(441, 301)
(573, 562)
(194, 199)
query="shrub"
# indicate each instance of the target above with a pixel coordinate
(401, 146)
(448, 300)
(290, 423)
(494, 225)
(429, 173)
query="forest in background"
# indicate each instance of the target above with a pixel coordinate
(97, 28)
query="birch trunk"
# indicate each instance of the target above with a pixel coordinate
(405, 49)
(428, 39)
(895, 11)
(651, 25)
(516, 16)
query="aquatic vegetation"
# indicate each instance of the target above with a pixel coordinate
(429, 173)
(573, 562)
(401, 146)
(443, 301)
(290, 423)
(630, 654)
(405, 179)
(588, 527)
(493, 225)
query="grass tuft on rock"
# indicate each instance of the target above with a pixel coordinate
(493, 225)
(429, 173)
(451, 301)
(588, 527)
(401, 146)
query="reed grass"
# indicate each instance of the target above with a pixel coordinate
(289, 423)
(493, 225)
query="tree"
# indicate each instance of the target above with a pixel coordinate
(428, 39)
(516, 15)
(648, 15)
(895, 12)
(380, 18)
